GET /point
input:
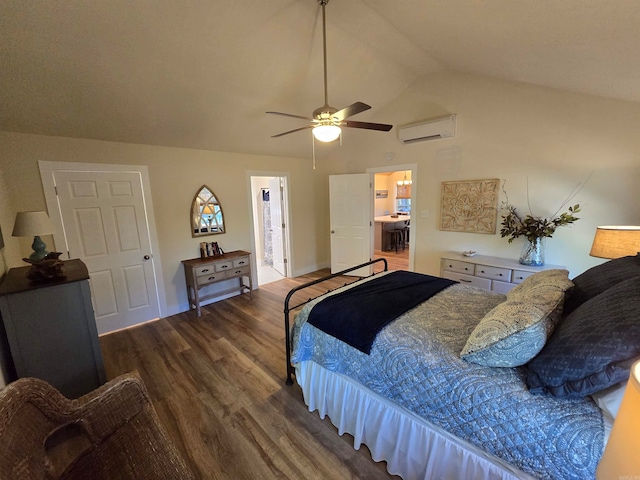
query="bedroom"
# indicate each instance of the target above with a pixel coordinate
(508, 129)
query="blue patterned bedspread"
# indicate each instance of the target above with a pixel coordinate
(415, 362)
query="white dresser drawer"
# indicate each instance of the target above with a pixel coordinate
(502, 287)
(468, 279)
(494, 273)
(458, 266)
(520, 275)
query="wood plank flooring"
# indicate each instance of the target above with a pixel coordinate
(217, 383)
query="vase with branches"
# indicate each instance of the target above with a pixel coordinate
(535, 228)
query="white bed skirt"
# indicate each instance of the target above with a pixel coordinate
(412, 447)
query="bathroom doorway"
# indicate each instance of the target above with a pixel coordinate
(270, 227)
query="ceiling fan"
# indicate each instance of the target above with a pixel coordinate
(326, 121)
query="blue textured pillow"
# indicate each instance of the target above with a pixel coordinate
(593, 347)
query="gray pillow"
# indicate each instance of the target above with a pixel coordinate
(600, 278)
(593, 347)
(515, 331)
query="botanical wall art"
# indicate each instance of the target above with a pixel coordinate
(469, 206)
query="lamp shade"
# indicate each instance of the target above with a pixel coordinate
(620, 458)
(616, 241)
(31, 224)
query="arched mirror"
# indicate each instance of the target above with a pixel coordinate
(206, 214)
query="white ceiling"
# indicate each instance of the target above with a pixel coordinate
(201, 74)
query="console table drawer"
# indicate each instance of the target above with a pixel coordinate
(206, 279)
(238, 271)
(223, 266)
(458, 266)
(494, 273)
(241, 262)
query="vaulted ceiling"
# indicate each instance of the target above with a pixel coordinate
(202, 74)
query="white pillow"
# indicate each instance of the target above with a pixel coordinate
(610, 398)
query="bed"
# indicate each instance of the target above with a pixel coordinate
(470, 383)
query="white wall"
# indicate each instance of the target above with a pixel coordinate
(175, 176)
(516, 132)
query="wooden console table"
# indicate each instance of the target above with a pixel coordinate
(200, 272)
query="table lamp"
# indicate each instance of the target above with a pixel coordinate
(34, 224)
(616, 241)
(620, 459)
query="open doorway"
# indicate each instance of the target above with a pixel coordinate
(394, 193)
(270, 227)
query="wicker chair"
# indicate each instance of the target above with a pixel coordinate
(112, 432)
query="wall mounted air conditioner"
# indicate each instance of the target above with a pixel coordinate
(444, 127)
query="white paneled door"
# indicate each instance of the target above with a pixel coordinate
(277, 224)
(105, 225)
(351, 217)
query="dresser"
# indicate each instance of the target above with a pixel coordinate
(491, 273)
(204, 272)
(51, 330)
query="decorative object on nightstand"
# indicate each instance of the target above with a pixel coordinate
(34, 224)
(620, 458)
(50, 268)
(535, 229)
(616, 241)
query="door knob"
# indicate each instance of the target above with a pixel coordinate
(333, 231)
(146, 257)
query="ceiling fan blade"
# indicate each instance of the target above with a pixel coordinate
(369, 126)
(351, 110)
(292, 131)
(292, 115)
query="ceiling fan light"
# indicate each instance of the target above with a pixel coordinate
(326, 133)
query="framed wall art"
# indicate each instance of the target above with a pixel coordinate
(382, 193)
(470, 206)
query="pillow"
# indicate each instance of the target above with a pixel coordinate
(516, 330)
(609, 399)
(599, 278)
(593, 347)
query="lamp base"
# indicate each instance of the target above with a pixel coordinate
(39, 249)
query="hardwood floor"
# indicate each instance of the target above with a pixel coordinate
(396, 261)
(217, 383)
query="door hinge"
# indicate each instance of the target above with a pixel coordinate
(283, 225)
(55, 188)
(284, 261)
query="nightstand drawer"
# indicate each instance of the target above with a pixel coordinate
(458, 266)
(494, 273)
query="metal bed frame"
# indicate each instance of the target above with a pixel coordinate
(288, 309)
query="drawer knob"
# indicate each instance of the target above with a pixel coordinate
(211, 278)
(500, 274)
(238, 271)
(225, 266)
(465, 280)
(481, 271)
(205, 270)
(241, 263)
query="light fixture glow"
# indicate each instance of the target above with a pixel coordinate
(326, 133)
